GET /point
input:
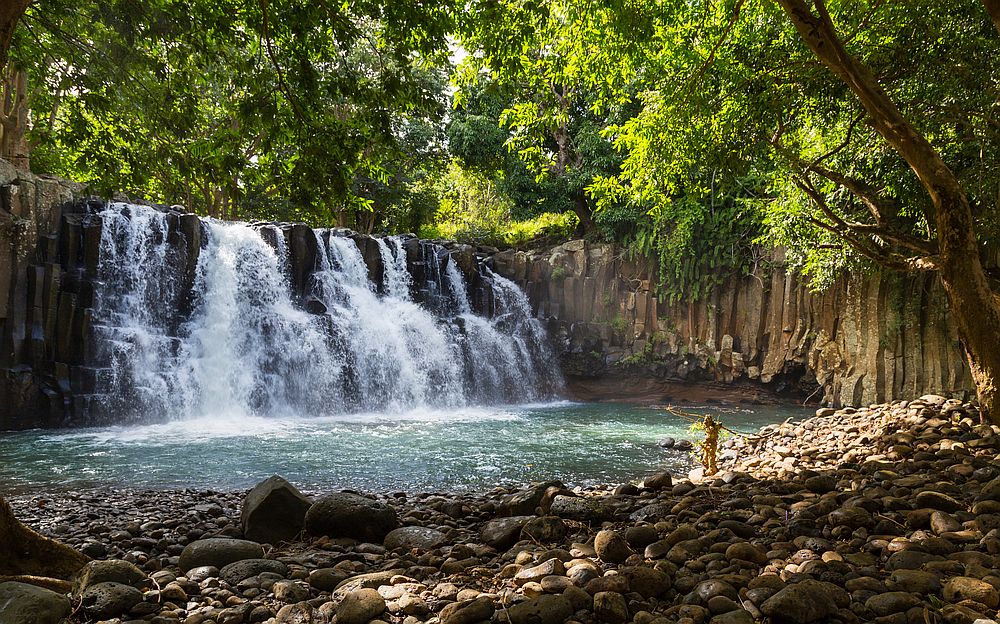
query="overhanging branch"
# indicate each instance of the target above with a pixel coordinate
(859, 236)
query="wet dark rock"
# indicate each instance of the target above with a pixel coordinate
(409, 537)
(21, 603)
(525, 502)
(851, 517)
(235, 572)
(738, 616)
(502, 533)
(579, 508)
(801, 603)
(937, 500)
(345, 514)
(112, 570)
(659, 481)
(648, 582)
(821, 484)
(106, 600)
(468, 611)
(914, 581)
(891, 602)
(201, 573)
(218, 552)
(640, 536)
(546, 609)
(910, 560)
(746, 551)
(610, 607)
(326, 579)
(611, 547)
(546, 529)
(652, 512)
(273, 511)
(706, 590)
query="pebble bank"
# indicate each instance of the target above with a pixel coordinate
(889, 514)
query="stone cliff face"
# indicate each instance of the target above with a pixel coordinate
(867, 339)
(39, 318)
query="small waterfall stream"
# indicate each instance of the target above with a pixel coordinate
(254, 329)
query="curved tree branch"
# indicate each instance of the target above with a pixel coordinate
(973, 304)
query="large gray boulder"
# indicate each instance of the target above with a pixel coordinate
(346, 514)
(111, 570)
(107, 600)
(273, 511)
(21, 603)
(218, 552)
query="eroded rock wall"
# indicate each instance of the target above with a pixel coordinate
(867, 339)
(40, 322)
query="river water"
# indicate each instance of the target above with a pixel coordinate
(423, 450)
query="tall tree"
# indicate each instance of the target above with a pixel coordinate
(876, 141)
(270, 109)
(13, 90)
(10, 13)
(951, 247)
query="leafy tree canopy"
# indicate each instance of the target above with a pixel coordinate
(735, 110)
(280, 108)
(694, 131)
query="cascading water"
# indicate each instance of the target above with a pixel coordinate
(397, 276)
(456, 288)
(241, 336)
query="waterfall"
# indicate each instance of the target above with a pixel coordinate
(457, 289)
(397, 277)
(242, 336)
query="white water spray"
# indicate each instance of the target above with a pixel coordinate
(248, 347)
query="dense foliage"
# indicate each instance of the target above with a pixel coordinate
(698, 133)
(695, 131)
(275, 109)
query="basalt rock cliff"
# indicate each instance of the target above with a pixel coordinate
(867, 339)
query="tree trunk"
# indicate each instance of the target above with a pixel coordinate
(10, 13)
(974, 306)
(25, 552)
(582, 210)
(14, 145)
(993, 8)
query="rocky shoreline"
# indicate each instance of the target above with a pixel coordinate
(889, 514)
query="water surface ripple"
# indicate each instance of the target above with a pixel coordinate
(460, 449)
